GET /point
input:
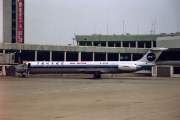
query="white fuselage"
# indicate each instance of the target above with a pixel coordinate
(45, 67)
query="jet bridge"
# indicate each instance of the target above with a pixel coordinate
(7, 63)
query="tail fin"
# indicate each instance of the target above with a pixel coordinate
(152, 55)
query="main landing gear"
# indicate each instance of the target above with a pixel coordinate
(97, 76)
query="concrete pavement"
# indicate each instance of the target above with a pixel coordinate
(77, 98)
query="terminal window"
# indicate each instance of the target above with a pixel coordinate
(176, 70)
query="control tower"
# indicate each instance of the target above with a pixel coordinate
(12, 25)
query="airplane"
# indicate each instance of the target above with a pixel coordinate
(91, 67)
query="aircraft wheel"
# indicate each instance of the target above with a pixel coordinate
(97, 76)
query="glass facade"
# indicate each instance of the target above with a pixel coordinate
(125, 44)
(176, 70)
(111, 44)
(14, 28)
(133, 44)
(171, 55)
(118, 44)
(132, 41)
(103, 44)
(125, 57)
(28, 55)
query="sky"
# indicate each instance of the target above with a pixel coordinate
(56, 22)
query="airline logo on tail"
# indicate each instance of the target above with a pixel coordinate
(151, 57)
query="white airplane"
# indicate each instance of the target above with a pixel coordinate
(91, 67)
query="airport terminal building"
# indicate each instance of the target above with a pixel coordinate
(96, 47)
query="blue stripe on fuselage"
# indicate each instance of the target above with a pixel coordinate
(146, 66)
(74, 66)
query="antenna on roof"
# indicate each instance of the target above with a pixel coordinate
(154, 25)
(178, 28)
(151, 28)
(123, 27)
(137, 29)
(107, 27)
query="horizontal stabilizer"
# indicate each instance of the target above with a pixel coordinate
(158, 49)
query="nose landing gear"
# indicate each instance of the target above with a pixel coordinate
(23, 74)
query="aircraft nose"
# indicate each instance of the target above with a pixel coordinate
(20, 69)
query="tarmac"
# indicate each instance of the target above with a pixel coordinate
(84, 98)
